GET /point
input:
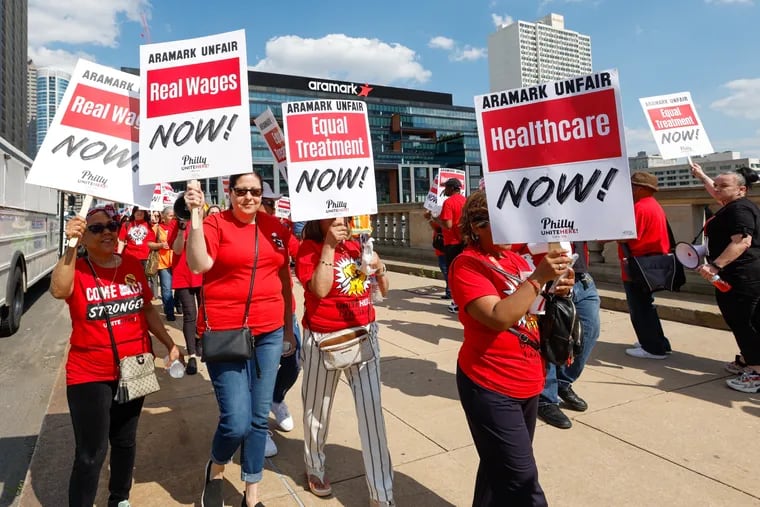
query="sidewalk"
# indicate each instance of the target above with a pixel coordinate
(658, 433)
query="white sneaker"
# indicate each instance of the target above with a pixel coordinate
(270, 449)
(637, 345)
(453, 308)
(643, 354)
(747, 383)
(282, 416)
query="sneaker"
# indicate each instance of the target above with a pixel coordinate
(270, 448)
(212, 490)
(746, 383)
(737, 366)
(123, 503)
(320, 487)
(643, 354)
(668, 350)
(282, 416)
(453, 308)
(192, 366)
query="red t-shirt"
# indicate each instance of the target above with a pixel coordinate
(652, 230)
(136, 235)
(348, 303)
(182, 277)
(452, 210)
(495, 360)
(126, 289)
(230, 243)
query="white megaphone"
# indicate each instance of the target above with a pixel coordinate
(691, 256)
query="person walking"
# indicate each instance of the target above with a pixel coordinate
(165, 254)
(451, 211)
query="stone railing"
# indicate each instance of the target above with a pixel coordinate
(401, 231)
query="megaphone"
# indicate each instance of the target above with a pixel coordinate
(180, 208)
(691, 256)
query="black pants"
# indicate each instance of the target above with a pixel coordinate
(741, 310)
(189, 298)
(502, 429)
(451, 251)
(97, 420)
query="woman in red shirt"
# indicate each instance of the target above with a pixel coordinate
(97, 283)
(231, 249)
(337, 296)
(499, 375)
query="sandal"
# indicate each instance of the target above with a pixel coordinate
(737, 366)
(320, 487)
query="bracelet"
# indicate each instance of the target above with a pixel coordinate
(716, 266)
(381, 272)
(330, 264)
(535, 285)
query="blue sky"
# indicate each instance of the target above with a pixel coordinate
(707, 47)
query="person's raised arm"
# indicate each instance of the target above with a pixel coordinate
(62, 279)
(697, 172)
(198, 258)
(322, 279)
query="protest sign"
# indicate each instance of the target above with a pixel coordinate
(195, 120)
(163, 196)
(436, 197)
(431, 200)
(91, 146)
(554, 161)
(675, 125)
(331, 171)
(273, 136)
(282, 208)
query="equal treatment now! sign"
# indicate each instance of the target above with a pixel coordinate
(331, 172)
(195, 120)
(675, 125)
(554, 161)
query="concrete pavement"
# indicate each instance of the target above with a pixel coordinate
(657, 433)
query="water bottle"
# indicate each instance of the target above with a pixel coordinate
(176, 369)
(374, 287)
(720, 283)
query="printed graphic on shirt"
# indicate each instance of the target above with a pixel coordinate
(529, 321)
(277, 241)
(350, 279)
(120, 299)
(137, 234)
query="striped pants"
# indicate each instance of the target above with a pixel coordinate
(318, 392)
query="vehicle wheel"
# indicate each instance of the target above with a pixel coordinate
(15, 305)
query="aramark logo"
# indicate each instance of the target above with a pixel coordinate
(335, 206)
(346, 88)
(562, 226)
(93, 180)
(191, 163)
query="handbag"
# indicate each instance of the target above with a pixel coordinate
(345, 348)
(151, 265)
(137, 374)
(560, 330)
(655, 272)
(232, 344)
(438, 241)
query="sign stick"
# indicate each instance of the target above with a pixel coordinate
(195, 213)
(86, 203)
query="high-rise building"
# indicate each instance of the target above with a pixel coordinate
(673, 174)
(51, 85)
(13, 58)
(523, 53)
(31, 108)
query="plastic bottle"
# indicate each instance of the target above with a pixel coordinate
(720, 283)
(175, 369)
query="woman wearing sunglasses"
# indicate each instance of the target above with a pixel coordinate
(499, 376)
(102, 283)
(230, 249)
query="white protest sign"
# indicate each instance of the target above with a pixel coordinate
(554, 161)
(431, 200)
(91, 147)
(163, 196)
(282, 208)
(273, 136)
(438, 198)
(331, 171)
(675, 125)
(195, 121)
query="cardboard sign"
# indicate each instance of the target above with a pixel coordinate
(91, 147)
(275, 139)
(554, 161)
(435, 201)
(163, 196)
(195, 102)
(331, 171)
(282, 208)
(431, 200)
(675, 125)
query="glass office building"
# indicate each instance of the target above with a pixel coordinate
(413, 132)
(51, 85)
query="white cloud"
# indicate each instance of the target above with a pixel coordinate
(637, 140)
(730, 2)
(743, 101)
(441, 42)
(338, 56)
(748, 146)
(57, 58)
(501, 21)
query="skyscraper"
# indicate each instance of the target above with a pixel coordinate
(51, 85)
(523, 53)
(31, 108)
(13, 56)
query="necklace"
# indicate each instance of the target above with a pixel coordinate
(99, 279)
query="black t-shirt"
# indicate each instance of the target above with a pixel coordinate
(741, 216)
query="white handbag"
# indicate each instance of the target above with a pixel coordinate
(345, 348)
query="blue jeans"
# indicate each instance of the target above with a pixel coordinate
(244, 401)
(646, 322)
(289, 368)
(165, 276)
(586, 299)
(445, 272)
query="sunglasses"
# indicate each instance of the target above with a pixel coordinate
(99, 228)
(255, 192)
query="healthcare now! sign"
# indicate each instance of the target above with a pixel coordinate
(675, 125)
(554, 161)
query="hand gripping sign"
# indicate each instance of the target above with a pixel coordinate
(675, 125)
(330, 165)
(554, 161)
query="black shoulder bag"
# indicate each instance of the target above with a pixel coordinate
(234, 344)
(655, 272)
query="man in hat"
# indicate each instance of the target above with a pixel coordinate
(451, 212)
(652, 230)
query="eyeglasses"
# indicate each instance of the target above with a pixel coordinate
(268, 202)
(255, 192)
(99, 228)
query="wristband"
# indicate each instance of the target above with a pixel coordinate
(716, 266)
(535, 285)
